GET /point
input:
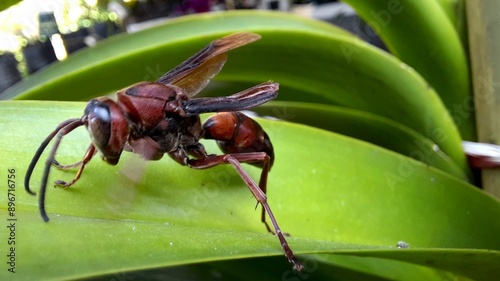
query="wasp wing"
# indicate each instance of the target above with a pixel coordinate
(193, 74)
(245, 99)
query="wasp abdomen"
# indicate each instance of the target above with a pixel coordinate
(237, 133)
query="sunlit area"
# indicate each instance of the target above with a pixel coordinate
(34, 33)
(32, 20)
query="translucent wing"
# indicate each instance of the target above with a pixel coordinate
(193, 74)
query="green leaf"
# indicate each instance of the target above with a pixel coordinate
(5, 4)
(421, 34)
(364, 126)
(337, 267)
(455, 11)
(332, 193)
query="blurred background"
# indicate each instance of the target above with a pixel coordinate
(34, 34)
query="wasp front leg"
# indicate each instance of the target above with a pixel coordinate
(77, 164)
(60, 166)
(91, 151)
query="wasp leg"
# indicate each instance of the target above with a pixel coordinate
(91, 151)
(235, 160)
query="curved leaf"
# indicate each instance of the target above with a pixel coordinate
(336, 267)
(108, 222)
(421, 34)
(364, 126)
(146, 55)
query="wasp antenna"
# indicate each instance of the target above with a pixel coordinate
(46, 172)
(39, 152)
(61, 130)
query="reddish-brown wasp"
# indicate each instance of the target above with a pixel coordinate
(154, 118)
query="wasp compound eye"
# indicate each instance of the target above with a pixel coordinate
(99, 124)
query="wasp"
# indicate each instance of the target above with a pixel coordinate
(162, 117)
